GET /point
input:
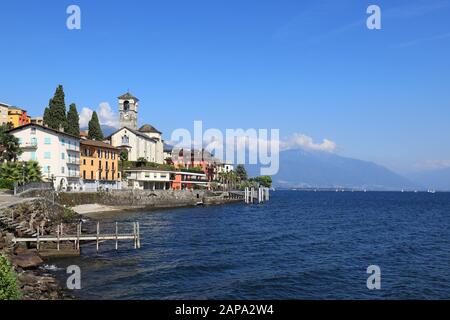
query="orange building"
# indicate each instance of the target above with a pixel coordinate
(99, 168)
(18, 117)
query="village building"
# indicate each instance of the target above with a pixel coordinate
(58, 154)
(18, 117)
(155, 179)
(99, 168)
(143, 143)
(4, 113)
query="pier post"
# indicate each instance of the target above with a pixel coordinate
(117, 237)
(37, 245)
(98, 233)
(134, 235)
(138, 235)
(58, 235)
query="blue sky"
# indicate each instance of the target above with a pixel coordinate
(305, 67)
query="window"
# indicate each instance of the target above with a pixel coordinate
(47, 169)
(125, 140)
(47, 155)
(33, 141)
(33, 130)
(48, 141)
(92, 162)
(62, 170)
(33, 156)
(20, 141)
(99, 153)
(84, 174)
(84, 161)
(63, 156)
(92, 175)
(63, 142)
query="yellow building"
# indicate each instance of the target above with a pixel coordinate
(99, 165)
(18, 117)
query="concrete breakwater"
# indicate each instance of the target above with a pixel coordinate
(137, 199)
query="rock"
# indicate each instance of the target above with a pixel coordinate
(26, 260)
(20, 249)
(27, 289)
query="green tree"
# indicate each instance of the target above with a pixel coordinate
(73, 121)
(55, 116)
(20, 172)
(141, 162)
(9, 145)
(47, 118)
(95, 130)
(241, 172)
(32, 172)
(265, 181)
(8, 282)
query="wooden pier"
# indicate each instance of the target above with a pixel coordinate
(252, 195)
(80, 237)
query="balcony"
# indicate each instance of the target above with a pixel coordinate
(73, 148)
(29, 145)
(74, 161)
(73, 174)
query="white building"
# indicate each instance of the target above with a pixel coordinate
(155, 179)
(225, 167)
(57, 153)
(143, 143)
(4, 113)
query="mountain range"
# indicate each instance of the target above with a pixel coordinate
(315, 169)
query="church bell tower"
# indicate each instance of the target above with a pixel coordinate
(128, 110)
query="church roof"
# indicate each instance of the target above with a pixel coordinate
(136, 132)
(128, 96)
(149, 129)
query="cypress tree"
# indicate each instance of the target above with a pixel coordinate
(57, 110)
(73, 121)
(47, 116)
(95, 131)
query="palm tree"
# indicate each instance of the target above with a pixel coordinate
(32, 172)
(10, 145)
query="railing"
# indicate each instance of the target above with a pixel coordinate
(32, 185)
(72, 174)
(71, 147)
(73, 161)
(29, 145)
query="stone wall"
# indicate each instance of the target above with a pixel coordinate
(137, 198)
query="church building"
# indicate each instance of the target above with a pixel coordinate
(145, 142)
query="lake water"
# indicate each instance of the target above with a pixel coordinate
(300, 245)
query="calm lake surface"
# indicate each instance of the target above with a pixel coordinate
(300, 245)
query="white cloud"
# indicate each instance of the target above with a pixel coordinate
(105, 115)
(302, 141)
(85, 117)
(433, 164)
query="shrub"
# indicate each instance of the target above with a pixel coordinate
(6, 184)
(8, 281)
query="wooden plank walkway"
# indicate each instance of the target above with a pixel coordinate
(79, 237)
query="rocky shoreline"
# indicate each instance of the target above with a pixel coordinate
(34, 281)
(45, 214)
